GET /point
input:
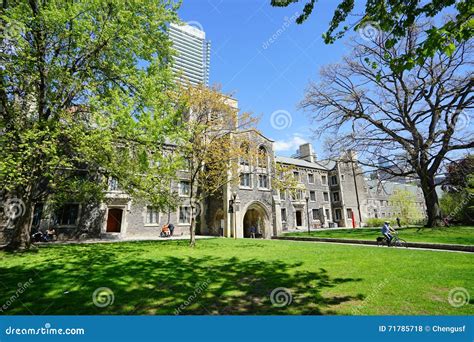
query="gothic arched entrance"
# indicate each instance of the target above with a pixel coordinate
(256, 217)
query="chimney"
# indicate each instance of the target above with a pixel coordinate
(352, 155)
(306, 152)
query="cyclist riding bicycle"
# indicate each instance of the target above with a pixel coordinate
(387, 232)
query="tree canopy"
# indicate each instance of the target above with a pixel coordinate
(213, 145)
(395, 18)
(406, 122)
(85, 96)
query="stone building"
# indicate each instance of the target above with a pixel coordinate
(329, 194)
(378, 202)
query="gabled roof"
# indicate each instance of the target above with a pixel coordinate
(300, 162)
(253, 130)
(328, 164)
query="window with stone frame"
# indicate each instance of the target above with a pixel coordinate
(184, 188)
(283, 215)
(296, 175)
(263, 181)
(152, 215)
(113, 184)
(326, 196)
(245, 180)
(68, 214)
(328, 214)
(245, 151)
(184, 214)
(262, 158)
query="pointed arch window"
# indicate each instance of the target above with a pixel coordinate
(245, 150)
(262, 158)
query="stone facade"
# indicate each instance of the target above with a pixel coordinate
(329, 194)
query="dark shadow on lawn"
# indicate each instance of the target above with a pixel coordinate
(169, 285)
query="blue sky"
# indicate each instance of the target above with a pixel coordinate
(262, 56)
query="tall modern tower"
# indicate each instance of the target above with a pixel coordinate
(193, 53)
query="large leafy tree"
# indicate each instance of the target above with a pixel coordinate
(394, 18)
(408, 123)
(84, 96)
(214, 144)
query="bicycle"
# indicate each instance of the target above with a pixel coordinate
(396, 241)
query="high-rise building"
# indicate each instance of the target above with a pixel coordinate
(193, 53)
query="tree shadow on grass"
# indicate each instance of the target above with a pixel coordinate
(168, 285)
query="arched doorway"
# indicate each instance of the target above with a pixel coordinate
(256, 217)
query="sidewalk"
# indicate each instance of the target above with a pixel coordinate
(125, 239)
(410, 245)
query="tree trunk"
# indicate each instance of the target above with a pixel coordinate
(431, 200)
(21, 239)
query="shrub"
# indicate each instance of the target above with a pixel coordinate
(377, 222)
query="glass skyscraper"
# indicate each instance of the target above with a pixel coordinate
(193, 54)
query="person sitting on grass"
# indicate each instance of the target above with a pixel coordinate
(387, 232)
(51, 234)
(171, 228)
(165, 231)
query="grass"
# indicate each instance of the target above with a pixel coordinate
(225, 276)
(453, 235)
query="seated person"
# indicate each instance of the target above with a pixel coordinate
(51, 234)
(171, 228)
(165, 231)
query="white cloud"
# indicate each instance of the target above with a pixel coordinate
(291, 144)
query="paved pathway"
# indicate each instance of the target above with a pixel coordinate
(125, 239)
(412, 245)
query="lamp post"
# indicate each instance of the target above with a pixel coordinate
(356, 189)
(307, 212)
(234, 210)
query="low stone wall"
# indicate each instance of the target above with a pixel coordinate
(447, 247)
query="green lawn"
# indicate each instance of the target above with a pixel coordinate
(225, 276)
(452, 235)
